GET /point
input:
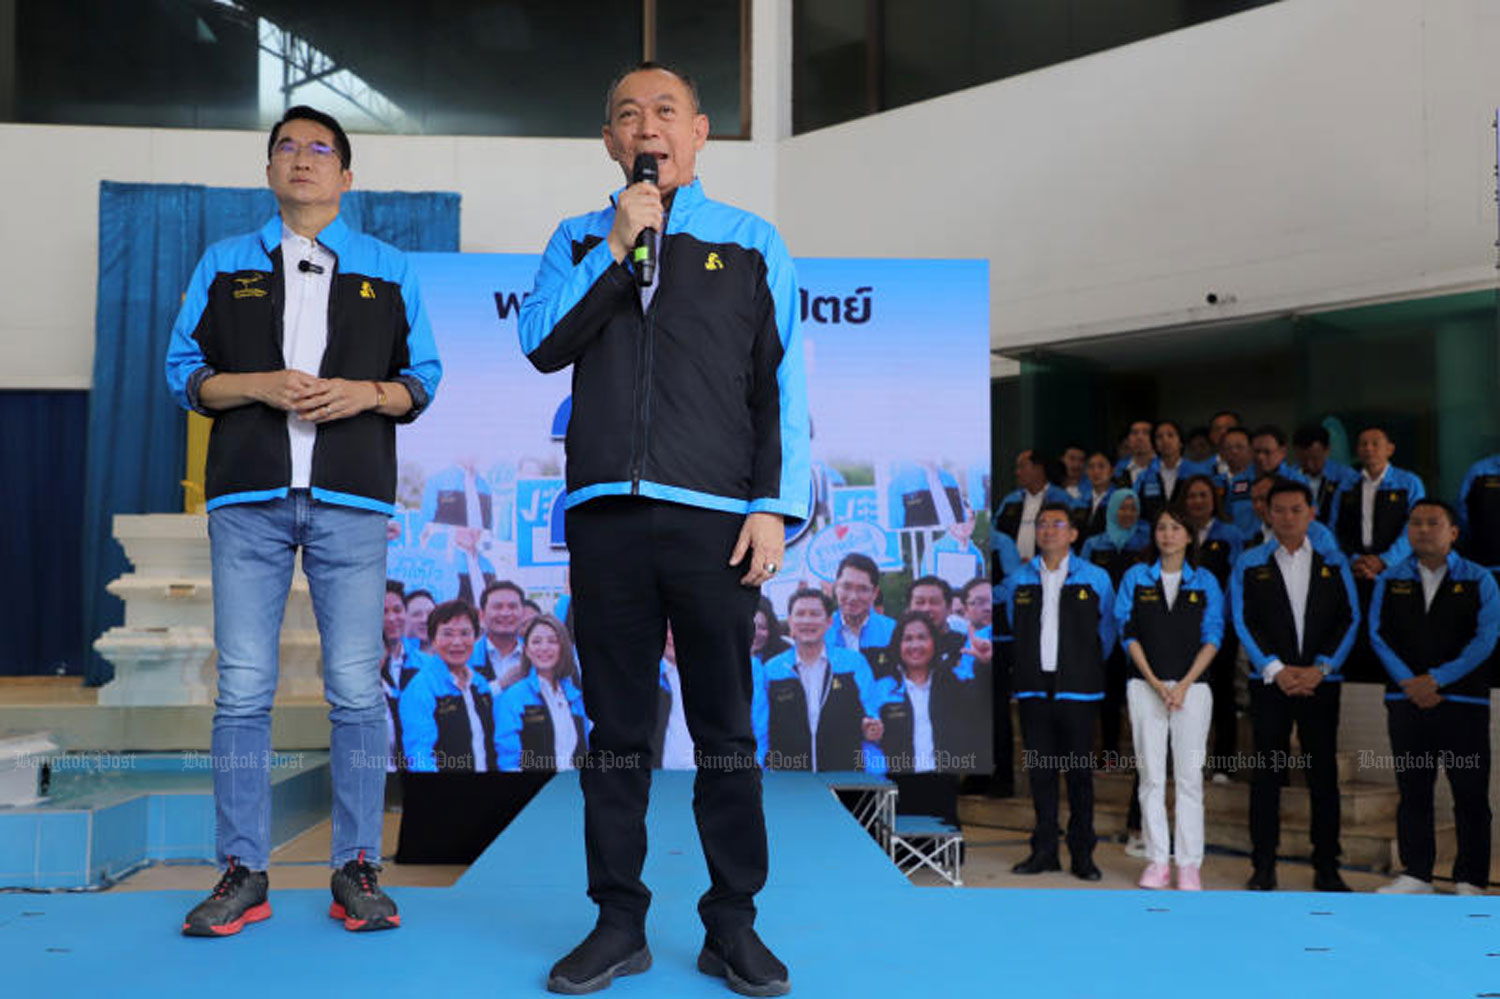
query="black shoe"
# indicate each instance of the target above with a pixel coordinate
(358, 900)
(1085, 869)
(1035, 864)
(1264, 879)
(238, 898)
(740, 958)
(593, 964)
(1329, 879)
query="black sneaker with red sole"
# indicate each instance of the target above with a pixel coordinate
(358, 900)
(239, 898)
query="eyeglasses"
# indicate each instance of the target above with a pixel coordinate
(289, 148)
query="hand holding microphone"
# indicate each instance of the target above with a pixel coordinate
(638, 216)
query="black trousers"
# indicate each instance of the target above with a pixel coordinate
(635, 565)
(1273, 714)
(1060, 735)
(1002, 734)
(1458, 736)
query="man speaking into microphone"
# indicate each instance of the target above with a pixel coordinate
(687, 451)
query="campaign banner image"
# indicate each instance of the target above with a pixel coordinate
(897, 361)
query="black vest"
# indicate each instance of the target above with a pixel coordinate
(1324, 498)
(1391, 506)
(1214, 555)
(1115, 561)
(1268, 617)
(839, 736)
(1080, 658)
(1483, 509)
(1008, 518)
(1425, 638)
(957, 725)
(454, 749)
(539, 744)
(1171, 637)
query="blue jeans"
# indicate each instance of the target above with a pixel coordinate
(254, 546)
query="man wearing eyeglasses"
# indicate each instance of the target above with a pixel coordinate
(307, 343)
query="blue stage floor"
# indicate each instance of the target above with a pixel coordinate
(843, 919)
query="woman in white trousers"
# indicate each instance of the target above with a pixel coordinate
(1171, 617)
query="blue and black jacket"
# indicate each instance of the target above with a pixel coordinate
(957, 710)
(1117, 559)
(875, 634)
(524, 738)
(1004, 560)
(435, 729)
(1085, 631)
(1008, 513)
(701, 398)
(1336, 475)
(1451, 640)
(1170, 636)
(1152, 490)
(231, 323)
(1239, 506)
(1263, 612)
(1219, 550)
(779, 714)
(1479, 512)
(1399, 491)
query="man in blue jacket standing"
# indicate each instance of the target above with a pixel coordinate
(1296, 614)
(1059, 617)
(687, 452)
(307, 343)
(1434, 617)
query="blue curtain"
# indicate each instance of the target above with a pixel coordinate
(150, 237)
(41, 492)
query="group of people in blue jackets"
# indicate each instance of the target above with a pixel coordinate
(1160, 573)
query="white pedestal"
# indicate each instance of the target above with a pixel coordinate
(164, 653)
(21, 759)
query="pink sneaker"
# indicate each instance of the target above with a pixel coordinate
(1187, 878)
(1156, 876)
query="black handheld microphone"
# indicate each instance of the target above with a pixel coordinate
(308, 267)
(644, 255)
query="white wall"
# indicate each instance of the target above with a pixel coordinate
(514, 192)
(1302, 154)
(1309, 153)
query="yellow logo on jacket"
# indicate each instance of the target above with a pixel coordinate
(713, 263)
(365, 291)
(245, 291)
(1325, 573)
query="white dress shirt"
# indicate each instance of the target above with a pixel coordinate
(304, 319)
(921, 733)
(564, 733)
(1168, 478)
(1368, 487)
(1026, 533)
(814, 677)
(1296, 573)
(1431, 580)
(477, 743)
(1171, 582)
(500, 662)
(1052, 582)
